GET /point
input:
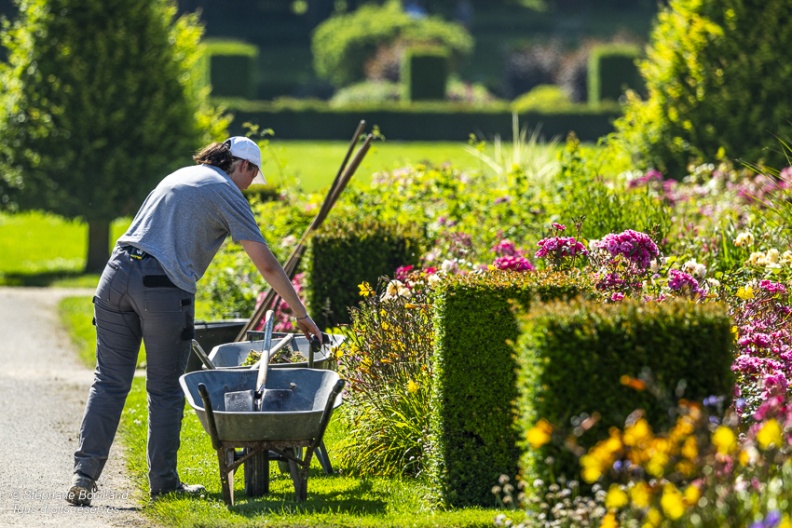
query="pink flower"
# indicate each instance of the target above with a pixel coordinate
(514, 263)
(559, 227)
(402, 272)
(616, 296)
(505, 248)
(637, 247)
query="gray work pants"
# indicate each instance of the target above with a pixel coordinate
(135, 300)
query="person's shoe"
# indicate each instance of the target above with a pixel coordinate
(82, 490)
(184, 490)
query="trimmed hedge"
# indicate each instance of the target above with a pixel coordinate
(573, 355)
(473, 434)
(232, 68)
(416, 121)
(344, 254)
(424, 72)
(612, 71)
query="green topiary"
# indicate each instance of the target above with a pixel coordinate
(425, 73)
(342, 44)
(718, 74)
(232, 68)
(612, 71)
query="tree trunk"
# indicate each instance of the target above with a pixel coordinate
(98, 245)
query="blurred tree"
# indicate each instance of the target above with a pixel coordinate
(99, 100)
(718, 74)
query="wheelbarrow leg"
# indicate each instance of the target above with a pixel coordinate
(225, 457)
(257, 474)
(324, 459)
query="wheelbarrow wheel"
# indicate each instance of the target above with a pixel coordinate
(257, 474)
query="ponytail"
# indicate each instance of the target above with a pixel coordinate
(217, 154)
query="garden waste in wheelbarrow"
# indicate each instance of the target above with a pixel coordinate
(293, 432)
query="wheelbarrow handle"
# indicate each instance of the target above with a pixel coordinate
(210, 419)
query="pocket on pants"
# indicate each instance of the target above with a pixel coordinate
(163, 302)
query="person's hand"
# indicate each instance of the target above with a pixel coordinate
(309, 328)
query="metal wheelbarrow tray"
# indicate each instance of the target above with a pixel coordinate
(293, 432)
(232, 355)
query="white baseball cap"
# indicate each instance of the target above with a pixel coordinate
(246, 149)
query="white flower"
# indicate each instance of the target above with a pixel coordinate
(433, 279)
(394, 290)
(449, 266)
(744, 239)
(654, 266)
(773, 255)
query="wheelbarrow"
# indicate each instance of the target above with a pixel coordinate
(233, 355)
(293, 431)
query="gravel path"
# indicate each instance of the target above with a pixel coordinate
(43, 389)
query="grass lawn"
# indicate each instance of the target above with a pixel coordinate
(312, 165)
(333, 500)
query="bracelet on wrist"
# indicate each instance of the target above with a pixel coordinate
(303, 317)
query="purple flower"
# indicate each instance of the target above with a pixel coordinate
(680, 281)
(557, 248)
(635, 246)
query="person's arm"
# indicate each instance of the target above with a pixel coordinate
(276, 277)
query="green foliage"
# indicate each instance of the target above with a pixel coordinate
(473, 434)
(421, 121)
(605, 204)
(577, 361)
(345, 253)
(385, 360)
(540, 98)
(232, 68)
(99, 101)
(612, 71)
(424, 73)
(717, 75)
(342, 44)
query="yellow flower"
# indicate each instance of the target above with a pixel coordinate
(690, 448)
(745, 293)
(365, 289)
(609, 521)
(769, 435)
(638, 433)
(653, 517)
(616, 497)
(412, 387)
(749, 455)
(672, 502)
(641, 494)
(539, 434)
(786, 522)
(692, 495)
(591, 468)
(724, 440)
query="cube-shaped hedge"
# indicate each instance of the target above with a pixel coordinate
(344, 254)
(573, 357)
(474, 439)
(612, 70)
(424, 72)
(232, 68)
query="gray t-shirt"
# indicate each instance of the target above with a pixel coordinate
(185, 219)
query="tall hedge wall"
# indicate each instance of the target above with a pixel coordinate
(416, 122)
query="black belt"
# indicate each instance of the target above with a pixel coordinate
(135, 253)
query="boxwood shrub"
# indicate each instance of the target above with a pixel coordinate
(574, 357)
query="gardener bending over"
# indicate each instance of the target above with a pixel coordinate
(147, 291)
